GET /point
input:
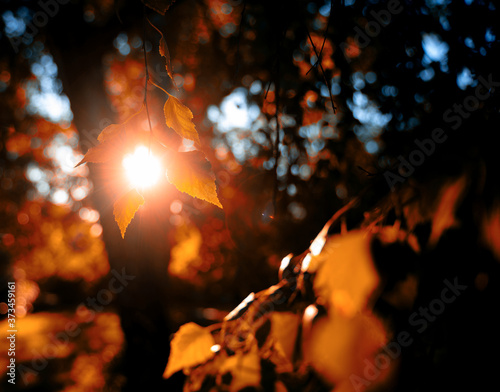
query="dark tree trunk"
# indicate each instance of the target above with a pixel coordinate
(78, 48)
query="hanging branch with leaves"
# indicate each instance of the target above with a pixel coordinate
(189, 172)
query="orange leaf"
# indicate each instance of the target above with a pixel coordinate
(132, 123)
(114, 138)
(338, 347)
(191, 173)
(348, 259)
(99, 154)
(190, 346)
(284, 328)
(126, 207)
(178, 117)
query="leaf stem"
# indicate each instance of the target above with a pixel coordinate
(158, 86)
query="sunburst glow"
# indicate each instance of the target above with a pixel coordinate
(142, 168)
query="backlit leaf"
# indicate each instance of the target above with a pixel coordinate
(190, 172)
(179, 118)
(126, 207)
(99, 154)
(284, 328)
(114, 137)
(338, 347)
(132, 123)
(346, 275)
(190, 346)
(244, 368)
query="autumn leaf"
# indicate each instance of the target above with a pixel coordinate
(126, 207)
(160, 6)
(244, 368)
(190, 172)
(284, 328)
(132, 123)
(178, 117)
(164, 52)
(335, 283)
(99, 154)
(114, 138)
(190, 346)
(338, 347)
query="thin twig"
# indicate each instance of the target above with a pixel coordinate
(324, 39)
(277, 137)
(267, 89)
(370, 174)
(147, 79)
(237, 60)
(322, 71)
(279, 40)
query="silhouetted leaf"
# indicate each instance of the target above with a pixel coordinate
(164, 52)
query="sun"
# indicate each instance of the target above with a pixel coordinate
(142, 168)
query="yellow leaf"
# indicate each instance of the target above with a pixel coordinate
(126, 207)
(245, 369)
(190, 346)
(338, 346)
(178, 117)
(284, 328)
(191, 173)
(346, 275)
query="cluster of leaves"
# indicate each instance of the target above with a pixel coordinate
(314, 329)
(189, 172)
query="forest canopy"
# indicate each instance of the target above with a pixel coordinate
(245, 195)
